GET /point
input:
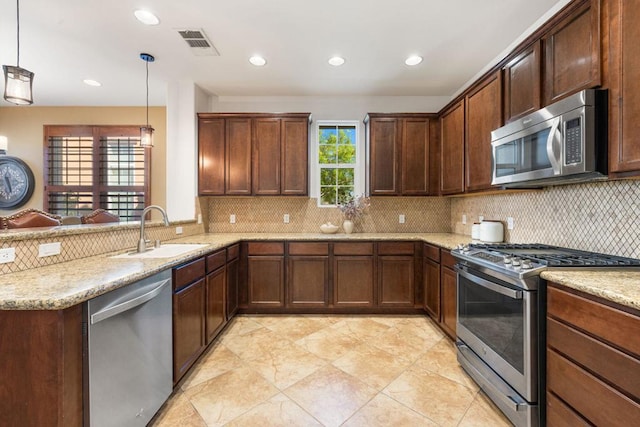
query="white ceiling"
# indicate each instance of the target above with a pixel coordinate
(66, 41)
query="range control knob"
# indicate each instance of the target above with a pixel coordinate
(526, 264)
(515, 261)
(507, 259)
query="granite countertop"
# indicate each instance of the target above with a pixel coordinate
(63, 285)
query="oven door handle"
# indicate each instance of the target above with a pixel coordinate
(502, 290)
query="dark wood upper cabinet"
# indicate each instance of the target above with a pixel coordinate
(572, 53)
(238, 156)
(522, 83)
(399, 148)
(295, 157)
(484, 114)
(624, 87)
(253, 154)
(452, 150)
(266, 156)
(211, 170)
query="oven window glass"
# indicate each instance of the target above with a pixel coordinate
(521, 155)
(496, 319)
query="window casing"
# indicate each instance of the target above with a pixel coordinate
(92, 167)
(338, 162)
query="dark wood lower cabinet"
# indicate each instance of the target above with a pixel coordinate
(233, 276)
(353, 281)
(396, 281)
(265, 281)
(215, 303)
(431, 278)
(307, 281)
(188, 327)
(449, 301)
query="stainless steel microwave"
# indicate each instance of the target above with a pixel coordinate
(561, 143)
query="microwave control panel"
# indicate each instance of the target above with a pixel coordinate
(573, 142)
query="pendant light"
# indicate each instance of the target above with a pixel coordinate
(18, 82)
(146, 132)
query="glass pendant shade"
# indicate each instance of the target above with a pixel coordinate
(146, 136)
(18, 83)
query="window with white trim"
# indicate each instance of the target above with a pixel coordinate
(338, 162)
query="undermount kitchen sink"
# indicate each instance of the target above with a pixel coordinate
(165, 251)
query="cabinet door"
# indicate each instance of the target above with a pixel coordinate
(295, 153)
(308, 281)
(522, 83)
(624, 104)
(266, 156)
(484, 114)
(396, 281)
(232, 288)
(572, 49)
(452, 150)
(449, 300)
(266, 281)
(431, 277)
(215, 317)
(415, 157)
(353, 284)
(384, 140)
(238, 156)
(211, 136)
(188, 327)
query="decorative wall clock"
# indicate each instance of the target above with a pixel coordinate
(16, 182)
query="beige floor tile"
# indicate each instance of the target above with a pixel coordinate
(441, 359)
(361, 328)
(230, 395)
(422, 327)
(255, 344)
(218, 360)
(371, 365)
(241, 325)
(178, 411)
(279, 411)
(403, 344)
(483, 413)
(330, 395)
(285, 366)
(389, 320)
(329, 344)
(382, 411)
(294, 328)
(438, 398)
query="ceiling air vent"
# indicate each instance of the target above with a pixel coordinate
(198, 42)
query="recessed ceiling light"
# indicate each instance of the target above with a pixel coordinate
(146, 17)
(336, 61)
(91, 82)
(258, 61)
(413, 60)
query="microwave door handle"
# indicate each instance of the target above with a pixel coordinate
(502, 290)
(554, 146)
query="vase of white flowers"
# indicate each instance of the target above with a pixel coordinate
(352, 210)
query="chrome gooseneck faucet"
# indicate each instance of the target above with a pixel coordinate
(142, 243)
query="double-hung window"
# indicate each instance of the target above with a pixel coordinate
(91, 167)
(338, 162)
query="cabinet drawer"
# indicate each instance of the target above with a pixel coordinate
(446, 259)
(559, 414)
(265, 248)
(615, 366)
(299, 248)
(216, 260)
(395, 248)
(362, 248)
(610, 324)
(598, 402)
(233, 252)
(432, 252)
(187, 273)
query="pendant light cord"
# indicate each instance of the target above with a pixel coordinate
(147, 66)
(18, 31)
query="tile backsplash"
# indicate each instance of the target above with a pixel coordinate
(600, 217)
(265, 215)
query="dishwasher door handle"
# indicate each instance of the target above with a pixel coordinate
(129, 304)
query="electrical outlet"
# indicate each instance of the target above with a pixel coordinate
(199, 218)
(509, 223)
(464, 219)
(286, 218)
(232, 219)
(48, 249)
(7, 255)
(401, 218)
(480, 218)
(178, 230)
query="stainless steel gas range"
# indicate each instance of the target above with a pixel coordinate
(501, 319)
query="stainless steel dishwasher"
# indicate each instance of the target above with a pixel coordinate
(129, 353)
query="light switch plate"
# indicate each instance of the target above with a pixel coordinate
(480, 218)
(48, 249)
(401, 218)
(232, 219)
(199, 218)
(464, 219)
(7, 255)
(510, 223)
(286, 218)
(178, 230)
